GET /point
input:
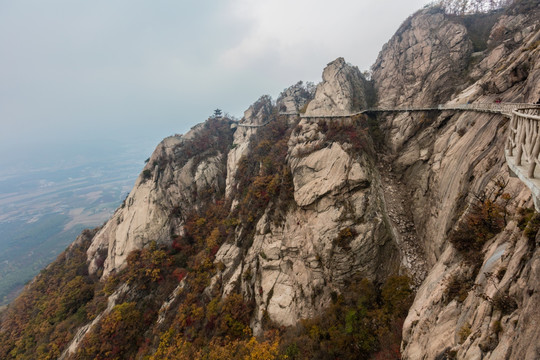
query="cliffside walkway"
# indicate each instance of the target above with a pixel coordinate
(496, 108)
(522, 150)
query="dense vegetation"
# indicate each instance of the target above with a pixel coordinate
(364, 322)
(485, 217)
(40, 322)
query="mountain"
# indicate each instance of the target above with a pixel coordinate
(317, 227)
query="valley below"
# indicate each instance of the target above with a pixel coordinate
(43, 210)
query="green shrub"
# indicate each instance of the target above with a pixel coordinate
(344, 238)
(457, 287)
(496, 327)
(532, 227)
(464, 333)
(505, 303)
(146, 174)
(525, 215)
(363, 322)
(355, 133)
(485, 217)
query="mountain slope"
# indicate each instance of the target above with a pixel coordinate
(316, 235)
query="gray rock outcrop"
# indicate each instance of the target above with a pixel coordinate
(294, 266)
(423, 62)
(256, 114)
(341, 92)
(294, 98)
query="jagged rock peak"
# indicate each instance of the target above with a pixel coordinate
(293, 99)
(342, 91)
(422, 62)
(258, 113)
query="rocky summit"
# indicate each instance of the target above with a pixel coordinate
(364, 218)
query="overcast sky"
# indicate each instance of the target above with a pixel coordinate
(95, 71)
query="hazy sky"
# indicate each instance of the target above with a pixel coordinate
(94, 71)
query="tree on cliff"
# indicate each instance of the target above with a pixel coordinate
(461, 7)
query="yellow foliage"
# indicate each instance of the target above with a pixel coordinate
(200, 221)
(261, 351)
(213, 239)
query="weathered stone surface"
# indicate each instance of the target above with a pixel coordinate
(341, 92)
(435, 325)
(147, 212)
(293, 99)
(422, 62)
(256, 114)
(324, 171)
(295, 265)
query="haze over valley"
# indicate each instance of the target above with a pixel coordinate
(47, 200)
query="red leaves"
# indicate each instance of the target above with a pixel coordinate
(179, 274)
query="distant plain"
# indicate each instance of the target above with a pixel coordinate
(43, 207)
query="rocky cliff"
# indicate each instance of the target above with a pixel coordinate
(295, 228)
(475, 302)
(342, 91)
(181, 172)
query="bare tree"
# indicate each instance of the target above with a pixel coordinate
(462, 7)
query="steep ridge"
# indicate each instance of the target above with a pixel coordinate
(295, 231)
(257, 114)
(439, 49)
(182, 171)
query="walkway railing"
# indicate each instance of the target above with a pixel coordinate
(522, 149)
(523, 142)
(252, 125)
(498, 108)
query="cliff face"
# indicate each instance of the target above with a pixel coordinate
(447, 162)
(182, 171)
(342, 91)
(423, 61)
(295, 264)
(288, 212)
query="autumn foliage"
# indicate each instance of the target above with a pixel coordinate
(485, 217)
(363, 322)
(198, 321)
(42, 321)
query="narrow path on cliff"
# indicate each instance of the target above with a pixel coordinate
(398, 208)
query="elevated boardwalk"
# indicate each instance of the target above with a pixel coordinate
(522, 149)
(496, 108)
